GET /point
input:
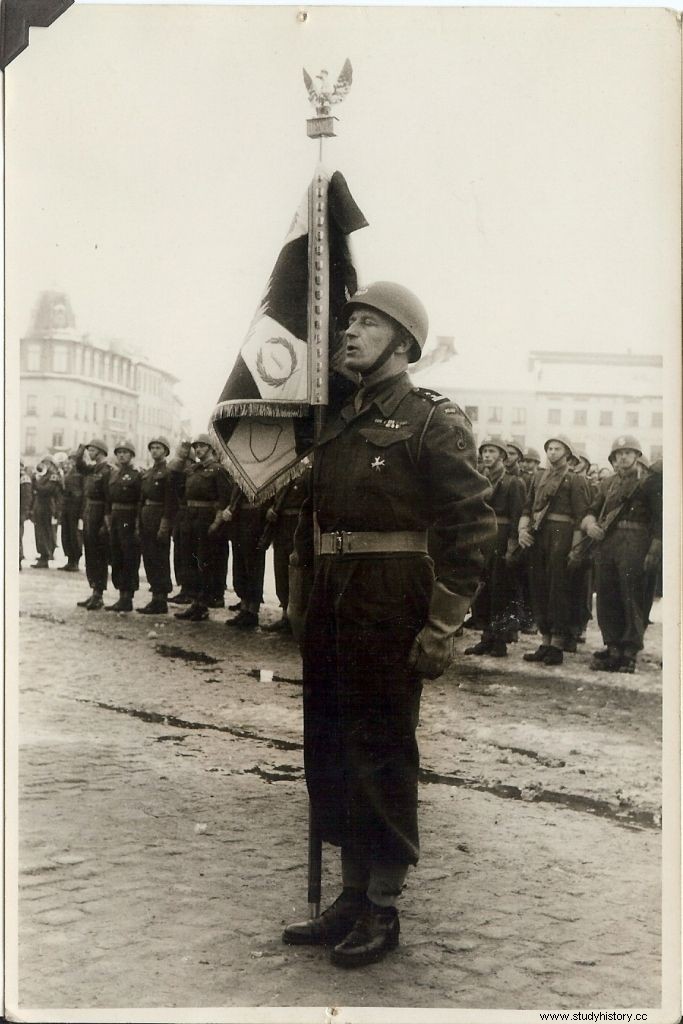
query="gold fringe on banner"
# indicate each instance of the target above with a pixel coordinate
(258, 407)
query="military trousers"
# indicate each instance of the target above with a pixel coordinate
(550, 580)
(283, 545)
(248, 559)
(362, 703)
(206, 553)
(495, 605)
(72, 537)
(96, 545)
(182, 549)
(620, 578)
(44, 531)
(156, 554)
(125, 551)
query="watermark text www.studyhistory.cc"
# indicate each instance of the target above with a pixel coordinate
(595, 1015)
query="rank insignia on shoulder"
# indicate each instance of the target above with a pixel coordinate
(431, 396)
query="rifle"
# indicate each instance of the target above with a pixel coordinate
(518, 553)
(581, 552)
(266, 537)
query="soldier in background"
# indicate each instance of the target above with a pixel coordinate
(178, 468)
(123, 492)
(72, 515)
(207, 494)
(248, 559)
(514, 458)
(496, 602)
(46, 508)
(282, 516)
(652, 485)
(96, 472)
(25, 504)
(631, 546)
(157, 510)
(530, 464)
(550, 525)
(581, 577)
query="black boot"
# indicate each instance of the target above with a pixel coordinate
(180, 598)
(332, 925)
(374, 934)
(553, 656)
(195, 613)
(124, 603)
(483, 647)
(539, 654)
(569, 645)
(95, 603)
(627, 663)
(244, 620)
(281, 626)
(498, 649)
(71, 567)
(42, 563)
(157, 606)
(86, 603)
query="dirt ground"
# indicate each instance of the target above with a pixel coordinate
(162, 824)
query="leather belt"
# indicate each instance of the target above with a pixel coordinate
(153, 504)
(502, 520)
(558, 517)
(345, 542)
(202, 504)
(626, 524)
(119, 506)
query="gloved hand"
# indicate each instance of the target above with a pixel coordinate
(218, 521)
(590, 525)
(432, 650)
(653, 558)
(271, 515)
(164, 531)
(300, 585)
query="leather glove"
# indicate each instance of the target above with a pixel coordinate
(653, 558)
(590, 525)
(432, 650)
(271, 516)
(300, 586)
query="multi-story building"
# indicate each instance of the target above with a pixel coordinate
(73, 388)
(590, 397)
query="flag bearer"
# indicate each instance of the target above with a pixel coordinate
(96, 472)
(155, 525)
(123, 491)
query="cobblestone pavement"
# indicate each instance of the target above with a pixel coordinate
(163, 818)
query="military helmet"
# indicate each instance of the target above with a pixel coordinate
(401, 305)
(496, 442)
(162, 441)
(563, 439)
(583, 458)
(644, 461)
(513, 444)
(623, 442)
(530, 454)
(97, 442)
(202, 439)
(60, 457)
(124, 446)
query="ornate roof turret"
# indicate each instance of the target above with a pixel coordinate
(53, 316)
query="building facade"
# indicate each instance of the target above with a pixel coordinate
(72, 388)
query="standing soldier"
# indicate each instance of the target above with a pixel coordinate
(393, 463)
(495, 604)
(72, 515)
(513, 464)
(652, 486)
(95, 473)
(624, 550)
(207, 493)
(123, 492)
(581, 577)
(550, 525)
(47, 501)
(155, 525)
(530, 464)
(25, 504)
(179, 467)
(248, 559)
(283, 515)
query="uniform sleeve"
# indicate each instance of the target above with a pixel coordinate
(654, 496)
(224, 488)
(529, 497)
(518, 494)
(303, 536)
(580, 499)
(106, 486)
(463, 522)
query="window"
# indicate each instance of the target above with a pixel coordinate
(555, 416)
(473, 412)
(495, 413)
(580, 417)
(631, 418)
(605, 418)
(519, 415)
(33, 358)
(58, 439)
(60, 406)
(115, 412)
(60, 357)
(30, 446)
(656, 419)
(31, 405)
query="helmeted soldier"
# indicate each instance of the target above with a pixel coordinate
(496, 602)
(550, 525)
(157, 511)
(46, 509)
(72, 515)
(530, 462)
(123, 492)
(515, 454)
(581, 577)
(178, 467)
(25, 505)
(393, 463)
(207, 494)
(247, 522)
(96, 472)
(623, 553)
(282, 517)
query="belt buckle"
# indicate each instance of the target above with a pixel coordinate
(341, 541)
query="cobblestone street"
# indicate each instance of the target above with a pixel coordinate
(162, 825)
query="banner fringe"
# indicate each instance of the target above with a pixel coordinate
(258, 495)
(259, 407)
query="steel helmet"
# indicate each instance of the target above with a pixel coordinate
(60, 457)
(624, 442)
(401, 305)
(162, 441)
(124, 446)
(496, 442)
(563, 439)
(531, 454)
(513, 444)
(98, 443)
(203, 439)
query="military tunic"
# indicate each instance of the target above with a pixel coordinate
(122, 492)
(405, 462)
(95, 536)
(157, 512)
(182, 543)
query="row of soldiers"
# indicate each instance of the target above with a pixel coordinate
(563, 534)
(121, 516)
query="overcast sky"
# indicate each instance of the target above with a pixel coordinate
(518, 169)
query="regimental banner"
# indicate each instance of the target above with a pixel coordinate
(263, 421)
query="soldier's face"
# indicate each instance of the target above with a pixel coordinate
(529, 465)
(157, 451)
(123, 457)
(513, 456)
(367, 336)
(490, 455)
(556, 451)
(625, 459)
(92, 452)
(201, 451)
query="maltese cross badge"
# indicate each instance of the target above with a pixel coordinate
(377, 463)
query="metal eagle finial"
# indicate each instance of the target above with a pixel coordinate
(321, 95)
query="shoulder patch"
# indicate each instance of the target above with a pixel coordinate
(430, 396)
